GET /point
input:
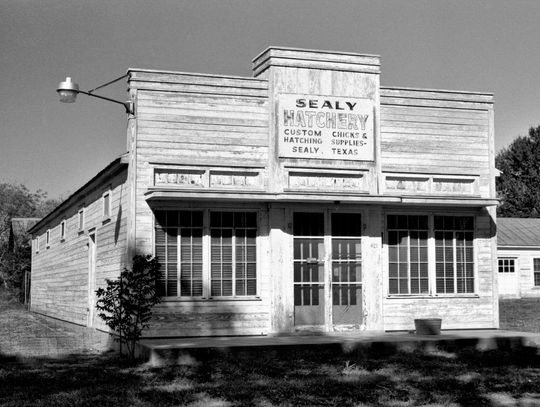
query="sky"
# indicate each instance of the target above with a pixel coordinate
(485, 46)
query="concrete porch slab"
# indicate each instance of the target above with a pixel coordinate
(179, 350)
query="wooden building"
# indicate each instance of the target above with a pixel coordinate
(306, 198)
(518, 252)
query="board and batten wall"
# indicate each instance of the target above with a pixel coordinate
(440, 143)
(198, 131)
(60, 271)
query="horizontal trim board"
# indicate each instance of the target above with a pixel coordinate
(197, 79)
(307, 64)
(314, 53)
(138, 71)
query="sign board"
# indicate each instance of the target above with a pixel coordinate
(325, 127)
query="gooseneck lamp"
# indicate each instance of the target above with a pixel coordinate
(68, 91)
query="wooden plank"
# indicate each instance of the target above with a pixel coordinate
(222, 121)
(317, 55)
(436, 94)
(434, 147)
(435, 103)
(207, 145)
(200, 89)
(396, 119)
(322, 65)
(389, 126)
(193, 107)
(390, 166)
(195, 78)
(204, 157)
(145, 125)
(221, 138)
(434, 131)
(261, 116)
(433, 111)
(144, 96)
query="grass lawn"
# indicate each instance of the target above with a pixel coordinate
(435, 378)
(520, 314)
(432, 377)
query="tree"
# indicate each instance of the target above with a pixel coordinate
(126, 303)
(18, 201)
(519, 183)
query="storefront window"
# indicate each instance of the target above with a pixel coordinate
(454, 254)
(230, 269)
(409, 263)
(408, 254)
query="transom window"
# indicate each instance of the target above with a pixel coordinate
(181, 243)
(507, 265)
(411, 267)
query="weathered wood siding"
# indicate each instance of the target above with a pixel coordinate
(465, 311)
(199, 317)
(209, 122)
(60, 271)
(438, 132)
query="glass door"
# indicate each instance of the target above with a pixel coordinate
(327, 270)
(346, 269)
(309, 255)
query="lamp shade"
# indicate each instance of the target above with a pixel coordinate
(68, 91)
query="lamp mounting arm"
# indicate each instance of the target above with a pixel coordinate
(127, 105)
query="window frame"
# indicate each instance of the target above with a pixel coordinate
(106, 215)
(63, 230)
(432, 281)
(534, 273)
(206, 255)
(454, 249)
(387, 251)
(505, 258)
(48, 238)
(81, 219)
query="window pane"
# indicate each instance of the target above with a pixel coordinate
(346, 224)
(308, 224)
(233, 234)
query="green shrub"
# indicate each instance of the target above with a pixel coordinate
(125, 304)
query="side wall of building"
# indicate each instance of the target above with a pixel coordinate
(524, 270)
(60, 270)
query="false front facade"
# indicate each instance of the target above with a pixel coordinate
(307, 198)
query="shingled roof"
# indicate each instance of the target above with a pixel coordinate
(518, 232)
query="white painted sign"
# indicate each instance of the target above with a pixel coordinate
(325, 127)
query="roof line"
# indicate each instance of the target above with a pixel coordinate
(117, 163)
